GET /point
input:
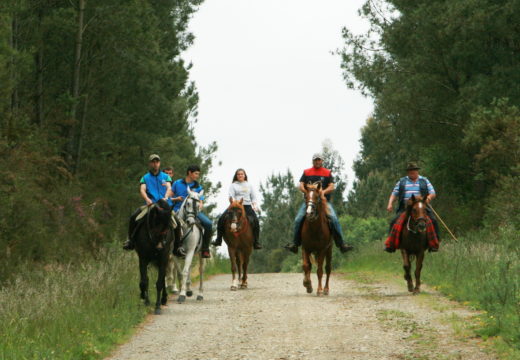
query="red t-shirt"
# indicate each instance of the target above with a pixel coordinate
(321, 174)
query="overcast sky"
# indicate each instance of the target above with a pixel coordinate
(270, 89)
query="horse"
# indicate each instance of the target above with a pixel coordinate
(191, 242)
(316, 238)
(414, 240)
(154, 239)
(239, 237)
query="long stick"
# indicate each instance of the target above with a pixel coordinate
(442, 222)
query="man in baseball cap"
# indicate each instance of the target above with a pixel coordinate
(314, 174)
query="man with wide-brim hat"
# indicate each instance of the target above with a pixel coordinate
(412, 184)
(318, 173)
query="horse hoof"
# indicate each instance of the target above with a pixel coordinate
(200, 297)
(147, 302)
(309, 290)
(181, 299)
(243, 286)
(319, 294)
(157, 311)
(164, 301)
(416, 291)
(325, 292)
(233, 288)
(189, 293)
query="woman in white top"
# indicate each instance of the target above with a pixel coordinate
(241, 189)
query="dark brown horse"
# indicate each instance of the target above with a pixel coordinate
(316, 238)
(154, 238)
(414, 240)
(238, 235)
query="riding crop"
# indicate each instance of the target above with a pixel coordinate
(442, 222)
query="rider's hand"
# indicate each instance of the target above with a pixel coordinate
(149, 202)
(200, 205)
(389, 208)
(178, 198)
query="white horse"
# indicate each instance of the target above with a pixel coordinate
(191, 243)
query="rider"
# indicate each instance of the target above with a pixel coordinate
(154, 185)
(412, 184)
(241, 189)
(180, 192)
(314, 174)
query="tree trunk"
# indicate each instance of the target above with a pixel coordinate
(76, 84)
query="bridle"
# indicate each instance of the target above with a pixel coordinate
(416, 222)
(240, 221)
(312, 206)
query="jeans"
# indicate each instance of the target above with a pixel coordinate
(333, 218)
(208, 227)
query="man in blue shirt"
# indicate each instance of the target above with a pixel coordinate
(412, 184)
(154, 185)
(180, 192)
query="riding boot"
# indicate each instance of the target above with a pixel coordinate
(293, 247)
(206, 239)
(340, 243)
(178, 250)
(256, 233)
(220, 231)
(132, 224)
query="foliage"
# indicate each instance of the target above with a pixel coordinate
(332, 160)
(435, 70)
(89, 89)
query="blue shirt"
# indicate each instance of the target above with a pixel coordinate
(412, 188)
(180, 188)
(156, 185)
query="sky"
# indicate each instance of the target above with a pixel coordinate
(271, 91)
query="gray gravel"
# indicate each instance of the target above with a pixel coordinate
(276, 319)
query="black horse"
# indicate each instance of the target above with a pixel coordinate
(154, 238)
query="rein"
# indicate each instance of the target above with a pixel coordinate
(243, 229)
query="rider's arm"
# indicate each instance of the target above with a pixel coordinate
(390, 202)
(142, 191)
(329, 189)
(302, 187)
(168, 190)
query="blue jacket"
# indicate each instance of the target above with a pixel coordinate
(155, 188)
(180, 188)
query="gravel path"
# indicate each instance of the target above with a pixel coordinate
(276, 319)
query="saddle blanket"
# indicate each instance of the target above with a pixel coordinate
(395, 234)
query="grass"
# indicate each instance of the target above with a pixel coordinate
(482, 271)
(75, 312)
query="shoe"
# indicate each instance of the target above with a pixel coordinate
(344, 248)
(292, 248)
(389, 250)
(217, 242)
(433, 250)
(180, 252)
(257, 246)
(128, 245)
(205, 254)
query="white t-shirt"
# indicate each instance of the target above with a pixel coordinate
(242, 190)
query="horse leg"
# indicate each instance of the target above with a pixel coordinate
(319, 272)
(160, 285)
(307, 267)
(143, 284)
(233, 258)
(245, 263)
(418, 268)
(407, 267)
(171, 275)
(239, 266)
(185, 277)
(201, 276)
(328, 269)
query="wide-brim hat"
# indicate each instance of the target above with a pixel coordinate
(154, 157)
(412, 165)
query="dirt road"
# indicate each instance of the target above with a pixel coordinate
(276, 319)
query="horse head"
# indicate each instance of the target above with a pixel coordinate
(236, 212)
(191, 206)
(313, 194)
(417, 216)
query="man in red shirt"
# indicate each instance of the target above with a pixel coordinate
(318, 173)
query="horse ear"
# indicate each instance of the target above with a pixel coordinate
(319, 185)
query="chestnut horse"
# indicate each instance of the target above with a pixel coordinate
(414, 240)
(238, 235)
(316, 238)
